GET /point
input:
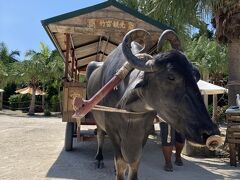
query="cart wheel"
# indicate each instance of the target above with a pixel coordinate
(69, 136)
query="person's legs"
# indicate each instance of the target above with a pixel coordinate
(167, 136)
(179, 146)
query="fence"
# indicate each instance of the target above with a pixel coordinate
(24, 105)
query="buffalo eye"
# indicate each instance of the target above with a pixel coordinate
(171, 77)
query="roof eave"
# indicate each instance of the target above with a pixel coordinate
(104, 5)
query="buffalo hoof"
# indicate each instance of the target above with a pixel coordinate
(168, 167)
(99, 164)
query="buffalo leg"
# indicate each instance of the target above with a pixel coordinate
(120, 166)
(133, 170)
(99, 155)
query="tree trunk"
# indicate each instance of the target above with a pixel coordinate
(32, 103)
(234, 71)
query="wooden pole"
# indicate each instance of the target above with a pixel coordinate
(82, 107)
(77, 71)
(205, 97)
(72, 62)
(105, 49)
(78, 75)
(67, 55)
(98, 48)
(214, 107)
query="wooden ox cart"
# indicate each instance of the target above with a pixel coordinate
(90, 34)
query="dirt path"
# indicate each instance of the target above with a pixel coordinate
(32, 148)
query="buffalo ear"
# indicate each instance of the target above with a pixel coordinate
(196, 74)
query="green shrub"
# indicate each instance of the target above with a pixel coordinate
(47, 113)
(8, 91)
(13, 101)
(54, 101)
(19, 101)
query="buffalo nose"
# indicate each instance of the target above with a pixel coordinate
(213, 130)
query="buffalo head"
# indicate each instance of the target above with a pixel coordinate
(169, 86)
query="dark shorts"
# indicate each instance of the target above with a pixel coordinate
(172, 138)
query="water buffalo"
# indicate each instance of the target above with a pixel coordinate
(163, 85)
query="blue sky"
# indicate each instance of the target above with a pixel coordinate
(20, 21)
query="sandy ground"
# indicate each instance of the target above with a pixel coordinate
(32, 148)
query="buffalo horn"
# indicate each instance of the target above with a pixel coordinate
(141, 63)
(170, 36)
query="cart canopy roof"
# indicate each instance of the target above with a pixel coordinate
(95, 31)
(207, 88)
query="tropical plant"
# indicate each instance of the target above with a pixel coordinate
(180, 15)
(6, 59)
(19, 101)
(52, 67)
(208, 56)
(44, 57)
(225, 18)
(57, 70)
(7, 56)
(34, 71)
(29, 73)
(3, 74)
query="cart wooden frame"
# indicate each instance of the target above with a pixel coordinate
(90, 34)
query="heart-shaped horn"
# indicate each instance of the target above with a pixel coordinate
(170, 36)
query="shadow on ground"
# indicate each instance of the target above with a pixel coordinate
(79, 164)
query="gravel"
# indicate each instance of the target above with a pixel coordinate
(32, 148)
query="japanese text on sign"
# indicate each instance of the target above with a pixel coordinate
(110, 23)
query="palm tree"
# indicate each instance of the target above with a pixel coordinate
(50, 68)
(29, 73)
(57, 70)
(6, 59)
(7, 56)
(182, 14)
(3, 74)
(44, 57)
(34, 71)
(227, 24)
